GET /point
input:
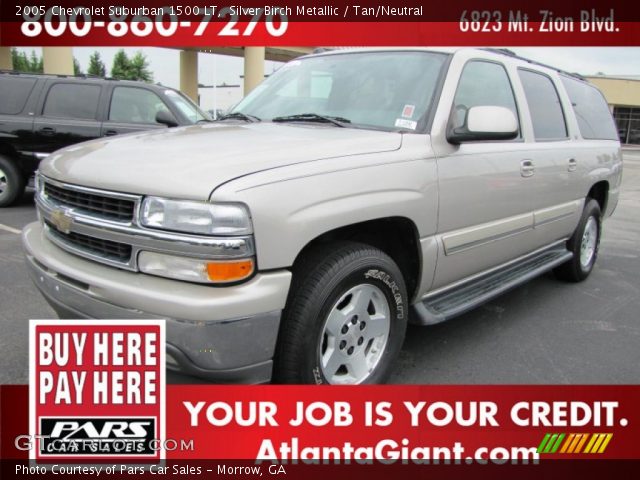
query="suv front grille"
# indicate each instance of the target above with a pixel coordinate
(107, 249)
(109, 208)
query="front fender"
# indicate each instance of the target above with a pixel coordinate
(291, 208)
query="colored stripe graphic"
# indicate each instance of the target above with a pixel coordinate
(555, 443)
(543, 443)
(592, 440)
(605, 443)
(567, 443)
(581, 442)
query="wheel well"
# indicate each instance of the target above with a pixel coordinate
(396, 236)
(7, 150)
(600, 192)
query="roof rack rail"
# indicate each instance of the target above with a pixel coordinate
(512, 54)
(57, 75)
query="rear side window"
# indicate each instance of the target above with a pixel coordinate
(544, 105)
(71, 100)
(14, 92)
(594, 118)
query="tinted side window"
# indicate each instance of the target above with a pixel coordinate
(14, 92)
(134, 105)
(544, 104)
(594, 118)
(483, 84)
(71, 100)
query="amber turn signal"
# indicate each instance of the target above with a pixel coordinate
(225, 272)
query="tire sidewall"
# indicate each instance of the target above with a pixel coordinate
(14, 182)
(388, 279)
(592, 210)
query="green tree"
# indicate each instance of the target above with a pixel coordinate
(77, 69)
(19, 60)
(96, 65)
(139, 68)
(134, 68)
(120, 67)
(23, 63)
(36, 63)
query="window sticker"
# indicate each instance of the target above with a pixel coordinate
(404, 123)
(408, 110)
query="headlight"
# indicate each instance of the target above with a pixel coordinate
(195, 217)
(195, 269)
(37, 183)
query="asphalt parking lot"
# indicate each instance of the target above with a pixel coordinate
(543, 332)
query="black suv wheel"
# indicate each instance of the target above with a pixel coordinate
(11, 182)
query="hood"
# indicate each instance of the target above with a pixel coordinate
(190, 162)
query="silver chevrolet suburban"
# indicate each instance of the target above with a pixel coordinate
(350, 193)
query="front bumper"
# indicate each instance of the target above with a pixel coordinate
(226, 334)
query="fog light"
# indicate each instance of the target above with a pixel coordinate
(194, 269)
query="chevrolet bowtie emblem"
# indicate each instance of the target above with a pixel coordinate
(61, 221)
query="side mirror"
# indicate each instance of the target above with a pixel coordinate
(165, 117)
(482, 123)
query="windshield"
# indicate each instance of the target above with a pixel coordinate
(382, 90)
(189, 109)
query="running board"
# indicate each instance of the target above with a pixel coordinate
(456, 301)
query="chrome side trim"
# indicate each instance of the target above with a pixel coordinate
(467, 238)
(475, 276)
(40, 155)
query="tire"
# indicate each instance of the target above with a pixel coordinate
(584, 244)
(11, 182)
(345, 318)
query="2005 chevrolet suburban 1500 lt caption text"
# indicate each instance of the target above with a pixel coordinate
(352, 192)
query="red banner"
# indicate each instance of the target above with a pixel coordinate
(410, 425)
(153, 23)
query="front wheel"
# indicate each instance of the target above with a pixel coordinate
(584, 245)
(345, 320)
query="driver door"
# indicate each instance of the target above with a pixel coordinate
(132, 109)
(485, 187)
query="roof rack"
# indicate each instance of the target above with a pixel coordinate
(509, 53)
(84, 75)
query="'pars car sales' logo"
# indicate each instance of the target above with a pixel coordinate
(97, 389)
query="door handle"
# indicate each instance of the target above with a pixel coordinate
(47, 131)
(526, 168)
(110, 133)
(573, 165)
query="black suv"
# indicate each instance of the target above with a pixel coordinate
(43, 113)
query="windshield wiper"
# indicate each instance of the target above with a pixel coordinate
(312, 117)
(240, 116)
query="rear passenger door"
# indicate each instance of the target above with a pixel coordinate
(69, 115)
(132, 109)
(16, 115)
(555, 203)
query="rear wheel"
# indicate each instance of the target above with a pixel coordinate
(345, 320)
(584, 244)
(11, 182)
